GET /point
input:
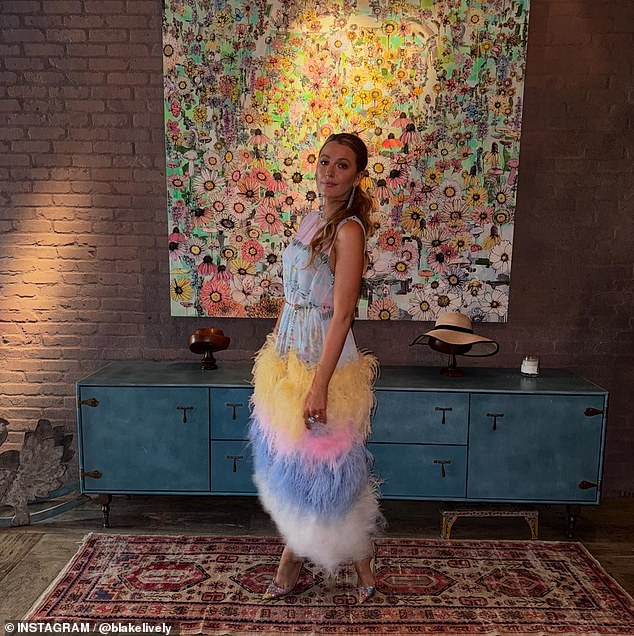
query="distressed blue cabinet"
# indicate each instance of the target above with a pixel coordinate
(492, 436)
(145, 439)
(535, 447)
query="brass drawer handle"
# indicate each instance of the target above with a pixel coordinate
(234, 406)
(586, 485)
(234, 457)
(93, 474)
(591, 412)
(442, 463)
(89, 402)
(495, 419)
(444, 410)
(184, 409)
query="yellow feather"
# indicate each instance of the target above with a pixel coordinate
(281, 385)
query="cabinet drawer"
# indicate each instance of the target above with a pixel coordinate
(424, 471)
(230, 413)
(421, 417)
(231, 467)
(535, 447)
(144, 439)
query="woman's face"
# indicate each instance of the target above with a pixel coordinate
(336, 171)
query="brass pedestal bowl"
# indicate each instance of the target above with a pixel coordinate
(206, 342)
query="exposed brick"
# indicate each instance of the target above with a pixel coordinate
(104, 6)
(62, 6)
(23, 35)
(22, 6)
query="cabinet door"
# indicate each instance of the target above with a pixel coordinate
(230, 413)
(534, 447)
(145, 439)
(421, 417)
(420, 471)
(231, 467)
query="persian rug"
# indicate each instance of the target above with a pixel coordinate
(212, 585)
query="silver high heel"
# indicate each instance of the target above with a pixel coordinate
(366, 592)
(275, 591)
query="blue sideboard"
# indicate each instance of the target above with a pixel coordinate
(491, 436)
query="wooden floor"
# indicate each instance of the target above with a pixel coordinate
(38, 552)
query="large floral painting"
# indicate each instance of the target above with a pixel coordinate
(253, 88)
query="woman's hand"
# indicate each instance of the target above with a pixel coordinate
(315, 405)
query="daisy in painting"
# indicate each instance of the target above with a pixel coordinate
(241, 267)
(212, 294)
(400, 268)
(476, 196)
(249, 188)
(440, 257)
(482, 215)
(454, 280)
(195, 247)
(205, 183)
(422, 305)
(455, 214)
(383, 309)
(273, 259)
(445, 301)
(181, 289)
(211, 160)
(500, 257)
(252, 251)
(494, 303)
(390, 240)
(269, 221)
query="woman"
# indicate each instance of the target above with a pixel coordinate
(313, 388)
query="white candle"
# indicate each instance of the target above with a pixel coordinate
(530, 365)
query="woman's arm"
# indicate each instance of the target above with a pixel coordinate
(349, 262)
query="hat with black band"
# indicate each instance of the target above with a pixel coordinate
(455, 328)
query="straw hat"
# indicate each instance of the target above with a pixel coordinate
(455, 328)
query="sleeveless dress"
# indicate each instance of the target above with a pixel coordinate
(316, 484)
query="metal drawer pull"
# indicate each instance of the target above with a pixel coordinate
(444, 410)
(89, 402)
(93, 474)
(442, 463)
(185, 409)
(585, 485)
(591, 412)
(235, 406)
(234, 457)
(495, 419)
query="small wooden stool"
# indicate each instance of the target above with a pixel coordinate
(448, 517)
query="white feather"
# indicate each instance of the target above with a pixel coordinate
(327, 543)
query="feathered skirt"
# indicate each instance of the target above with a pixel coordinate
(316, 484)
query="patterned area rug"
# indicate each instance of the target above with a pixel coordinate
(212, 585)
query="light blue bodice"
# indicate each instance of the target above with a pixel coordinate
(308, 293)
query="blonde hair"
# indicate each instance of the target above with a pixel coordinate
(361, 205)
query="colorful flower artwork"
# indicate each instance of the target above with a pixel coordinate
(254, 87)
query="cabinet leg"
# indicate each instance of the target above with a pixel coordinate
(573, 513)
(447, 522)
(533, 524)
(105, 500)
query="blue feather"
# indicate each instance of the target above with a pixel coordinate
(314, 488)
